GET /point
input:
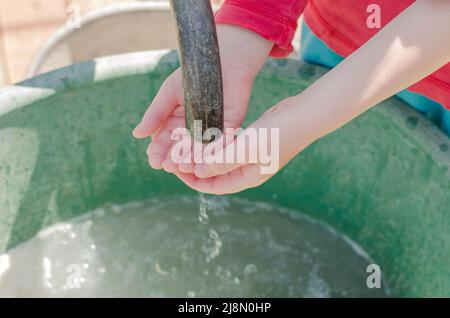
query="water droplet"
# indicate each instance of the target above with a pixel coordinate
(213, 246)
(250, 269)
(191, 294)
(203, 217)
(98, 213)
(116, 208)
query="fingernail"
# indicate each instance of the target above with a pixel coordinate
(135, 131)
(155, 162)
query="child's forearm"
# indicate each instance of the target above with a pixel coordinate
(412, 46)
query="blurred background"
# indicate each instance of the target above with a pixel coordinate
(26, 26)
(38, 36)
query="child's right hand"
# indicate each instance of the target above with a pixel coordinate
(243, 54)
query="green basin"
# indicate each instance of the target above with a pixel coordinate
(383, 180)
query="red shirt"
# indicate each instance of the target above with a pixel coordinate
(341, 24)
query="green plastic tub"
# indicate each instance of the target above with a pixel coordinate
(383, 180)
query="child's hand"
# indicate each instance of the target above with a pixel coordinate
(243, 53)
(225, 178)
(400, 55)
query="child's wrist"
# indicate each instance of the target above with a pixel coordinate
(242, 46)
(304, 120)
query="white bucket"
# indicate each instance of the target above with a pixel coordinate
(115, 29)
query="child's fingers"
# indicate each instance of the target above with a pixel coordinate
(205, 170)
(154, 155)
(168, 97)
(193, 182)
(170, 163)
(243, 150)
(169, 166)
(178, 146)
(156, 151)
(237, 180)
(161, 143)
(236, 153)
(188, 178)
(187, 164)
(186, 167)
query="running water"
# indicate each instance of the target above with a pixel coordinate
(203, 217)
(158, 248)
(213, 244)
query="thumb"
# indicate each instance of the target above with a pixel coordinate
(168, 98)
(252, 146)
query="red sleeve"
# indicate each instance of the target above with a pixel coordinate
(275, 20)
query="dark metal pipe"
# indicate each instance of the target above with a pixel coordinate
(200, 63)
